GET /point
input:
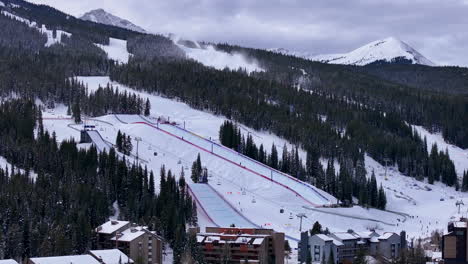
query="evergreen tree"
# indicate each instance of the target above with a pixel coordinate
(360, 257)
(77, 112)
(316, 229)
(274, 157)
(464, 186)
(147, 107)
(197, 169)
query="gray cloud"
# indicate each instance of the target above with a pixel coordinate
(435, 28)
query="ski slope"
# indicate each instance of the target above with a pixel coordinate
(116, 50)
(51, 37)
(257, 198)
(98, 141)
(306, 191)
(458, 155)
(218, 210)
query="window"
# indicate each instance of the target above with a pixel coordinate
(316, 249)
(393, 250)
(316, 253)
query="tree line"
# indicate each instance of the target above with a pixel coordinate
(56, 212)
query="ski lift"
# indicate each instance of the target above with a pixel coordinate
(291, 216)
(179, 162)
(253, 200)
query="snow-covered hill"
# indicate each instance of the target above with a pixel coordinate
(103, 17)
(387, 50)
(411, 202)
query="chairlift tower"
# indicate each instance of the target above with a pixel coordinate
(386, 160)
(138, 139)
(300, 216)
(459, 203)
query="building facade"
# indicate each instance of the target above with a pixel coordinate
(139, 243)
(343, 247)
(237, 245)
(455, 243)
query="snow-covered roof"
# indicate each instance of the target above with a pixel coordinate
(111, 256)
(345, 236)
(258, 241)
(386, 235)
(324, 237)
(337, 243)
(366, 234)
(329, 239)
(76, 259)
(460, 224)
(110, 227)
(8, 261)
(200, 239)
(374, 239)
(130, 234)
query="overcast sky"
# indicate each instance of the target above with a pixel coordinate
(436, 28)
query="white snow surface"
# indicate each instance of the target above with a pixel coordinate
(5, 165)
(2, 5)
(116, 50)
(458, 155)
(103, 17)
(109, 228)
(217, 208)
(8, 261)
(77, 259)
(51, 39)
(220, 60)
(386, 49)
(412, 203)
(111, 256)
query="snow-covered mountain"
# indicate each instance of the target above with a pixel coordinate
(388, 50)
(103, 17)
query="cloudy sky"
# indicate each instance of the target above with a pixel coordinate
(436, 28)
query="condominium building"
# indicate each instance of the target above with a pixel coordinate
(343, 247)
(236, 245)
(139, 243)
(455, 243)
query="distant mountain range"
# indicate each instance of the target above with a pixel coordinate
(389, 50)
(103, 17)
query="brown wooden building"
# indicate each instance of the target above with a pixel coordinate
(238, 245)
(455, 243)
(139, 243)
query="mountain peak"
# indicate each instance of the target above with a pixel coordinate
(390, 49)
(101, 16)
